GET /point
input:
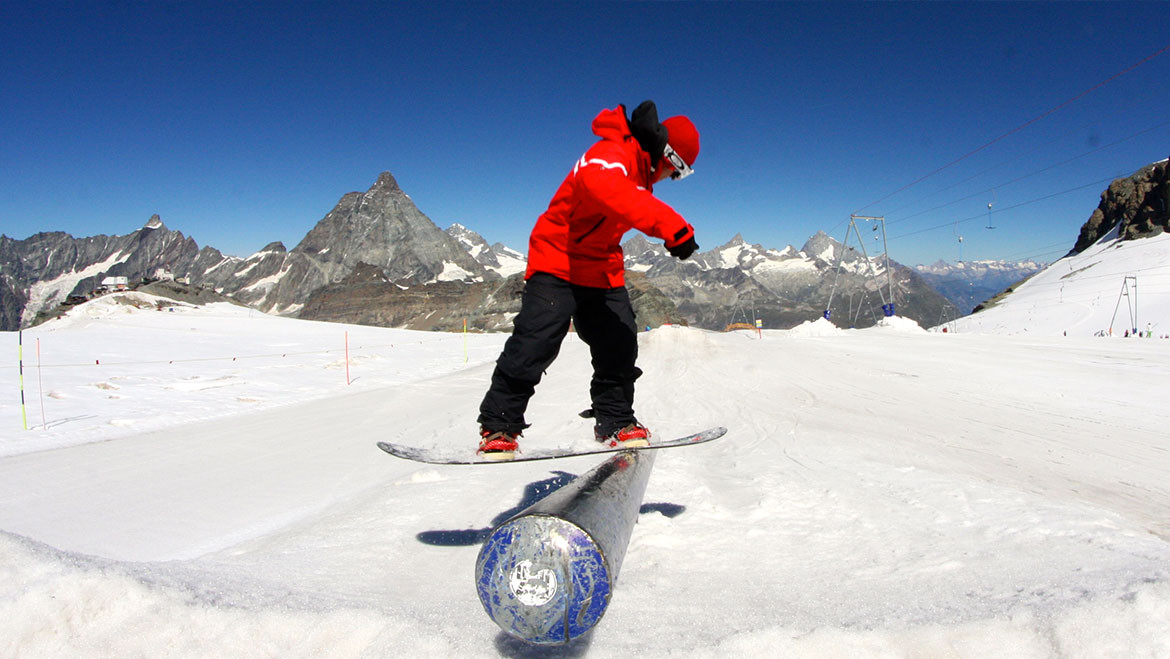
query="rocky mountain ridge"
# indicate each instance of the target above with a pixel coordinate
(375, 258)
(44, 270)
(1137, 206)
(739, 282)
(380, 228)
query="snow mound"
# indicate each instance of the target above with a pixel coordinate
(677, 337)
(116, 607)
(899, 324)
(818, 327)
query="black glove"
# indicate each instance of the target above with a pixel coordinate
(684, 249)
(650, 134)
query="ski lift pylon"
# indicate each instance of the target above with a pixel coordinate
(888, 306)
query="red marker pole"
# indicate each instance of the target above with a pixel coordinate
(347, 381)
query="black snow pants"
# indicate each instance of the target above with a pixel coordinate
(603, 319)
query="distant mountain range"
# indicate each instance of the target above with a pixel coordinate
(380, 229)
(966, 284)
(375, 258)
(739, 282)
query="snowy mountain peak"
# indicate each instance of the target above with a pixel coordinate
(471, 241)
(386, 183)
(384, 228)
(497, 258)
(824, 247)
(155, 222)
(737, 253)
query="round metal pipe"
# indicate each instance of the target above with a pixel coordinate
(547, 574)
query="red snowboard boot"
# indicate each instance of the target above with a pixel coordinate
(498, 445)
(634, 435)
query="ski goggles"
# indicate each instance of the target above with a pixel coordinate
(681, 168)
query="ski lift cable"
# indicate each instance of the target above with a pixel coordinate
(1142, 102)
(1033, 250)
(1084, 278)
(1031, 174)
(1039, 250)
(1061, 247)
(1019, 128)
(982, 216)
(1035, 254)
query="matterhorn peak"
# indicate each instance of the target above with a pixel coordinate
(386, 182)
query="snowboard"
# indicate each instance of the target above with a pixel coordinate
(451, 456)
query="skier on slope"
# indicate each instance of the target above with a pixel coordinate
(576, 271)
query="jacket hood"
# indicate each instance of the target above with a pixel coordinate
(612, 124)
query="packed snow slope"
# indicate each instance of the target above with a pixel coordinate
(204, 482)
(1118, 285)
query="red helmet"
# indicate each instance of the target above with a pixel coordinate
(683, 138)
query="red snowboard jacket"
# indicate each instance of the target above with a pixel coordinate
(609, 191)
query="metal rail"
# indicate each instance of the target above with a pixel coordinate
(547, 574)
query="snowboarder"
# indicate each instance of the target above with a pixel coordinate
(576, 272)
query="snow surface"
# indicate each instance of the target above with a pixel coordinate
(787, 264)
(205, 483)
(452, 272)
(899, 324)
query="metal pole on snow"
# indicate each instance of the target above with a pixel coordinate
(20, 362)
(41, 386)
(887, 306)
(547, 574)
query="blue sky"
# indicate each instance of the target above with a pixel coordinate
(242, 123)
